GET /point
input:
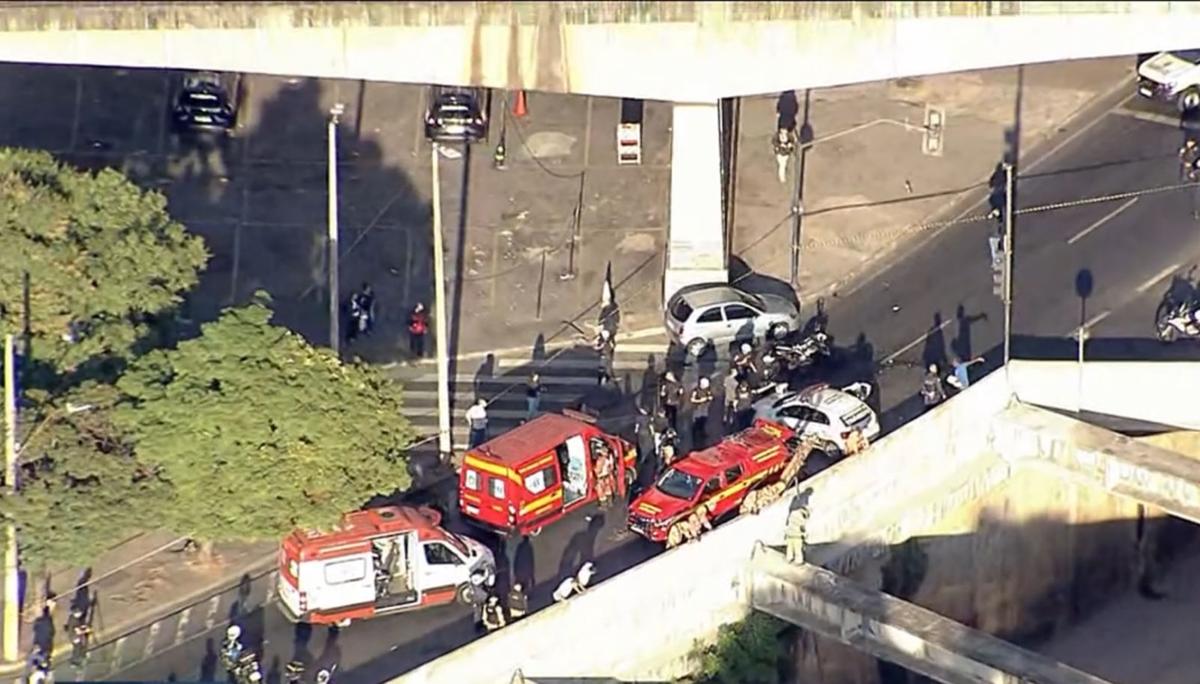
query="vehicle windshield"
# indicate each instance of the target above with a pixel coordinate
(458, 543)
(752, 300)
(678, 484)
(681, 310)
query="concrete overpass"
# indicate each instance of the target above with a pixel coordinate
(693, 53)
(861, 508)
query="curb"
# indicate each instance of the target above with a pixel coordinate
(1099, 102)
(60, 654)
(525, 349)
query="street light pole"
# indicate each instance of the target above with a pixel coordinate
(1081, 335)
(445, 446)
(1008, 261)
(12, 609)
(334, 296)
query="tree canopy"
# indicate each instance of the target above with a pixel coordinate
(102, 258)
(82, 489)
(257, 432)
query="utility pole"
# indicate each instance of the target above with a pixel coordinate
(12, 608)
(445, 446)
(1081, 335)
(334, 304)
(1008, 261)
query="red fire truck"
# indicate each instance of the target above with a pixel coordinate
(742, 473)
(533, 475)
(378, 561)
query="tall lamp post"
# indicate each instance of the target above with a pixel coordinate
(334, 297)
(12, 608)
(445, 444)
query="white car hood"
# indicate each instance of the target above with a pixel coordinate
(1164, 68)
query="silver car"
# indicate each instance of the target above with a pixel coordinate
(709, 314)
(822, 412)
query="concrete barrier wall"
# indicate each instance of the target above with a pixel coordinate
(703, 585)
(701, 60)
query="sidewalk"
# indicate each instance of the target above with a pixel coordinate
(867, 193)
(139, 587)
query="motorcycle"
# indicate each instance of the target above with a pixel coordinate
(1177, 319)
(231, 649)
(293, 672)
(807, 352)
(246, 670)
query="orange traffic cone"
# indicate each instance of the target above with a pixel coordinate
(519, 109)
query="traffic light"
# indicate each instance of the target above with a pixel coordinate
(935, 126)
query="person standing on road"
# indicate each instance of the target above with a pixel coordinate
(606, 347)
(533, 396)
(731, 390)
(961, 377)
(518, 602)
(744, 406)
(701, 399)
(670, 393)
(366, 302)
(477, 420)
(493, 615)
(784, 145)
(933, 392)
(418, 325)
(743, 362)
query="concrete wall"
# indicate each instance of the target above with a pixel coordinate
(693, 52)
(855, 513)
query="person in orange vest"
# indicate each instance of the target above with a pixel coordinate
(418, 325)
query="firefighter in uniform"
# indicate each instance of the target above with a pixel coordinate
(603, 470)
(670, 393)
(743, 363)
(795, 533)
(518, 602)
(493, 615)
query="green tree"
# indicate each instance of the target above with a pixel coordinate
(746, 652)
(102, 256)
(258, 432)
(82, 489)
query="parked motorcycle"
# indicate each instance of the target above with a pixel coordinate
(1177, 319)
(807, 352)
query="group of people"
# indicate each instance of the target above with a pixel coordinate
(490, 614)
(933, 388)
(360, 313)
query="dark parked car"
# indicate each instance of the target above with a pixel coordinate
(203, 105)
(456, 115)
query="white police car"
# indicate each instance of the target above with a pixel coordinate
(830, 415)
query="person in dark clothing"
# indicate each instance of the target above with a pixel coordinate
(366, 302)
(518, 602)
(743, 362)
(744, 406)
(670, 394)
(700, 399)
(606, 347)
(730, 398)
(418, 326)
(533, 396)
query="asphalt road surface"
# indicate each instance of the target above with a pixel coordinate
(929, 304)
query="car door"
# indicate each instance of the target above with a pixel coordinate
(441, 566)
(710, 325)
(740, 322)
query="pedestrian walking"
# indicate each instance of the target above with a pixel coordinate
(701, 399)
(366, 302)
(477, 420)
(493, 615)
(418, 326)
(933, 392)
(606, 346)
(961, 376)
(533, 396)
(518, 602)
(670, 393)
(730, 389)
(745, 405)
(784, 145)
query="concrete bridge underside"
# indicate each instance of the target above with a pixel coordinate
(687, 52)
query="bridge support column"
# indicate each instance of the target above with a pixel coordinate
(696, 237)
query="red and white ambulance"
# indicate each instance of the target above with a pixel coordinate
(378, 561)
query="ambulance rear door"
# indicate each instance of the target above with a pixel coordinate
(396, 585)
(340, 581)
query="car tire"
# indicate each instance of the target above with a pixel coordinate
(1188, 100)
(464, 593)
(697, 346)
(778, 331)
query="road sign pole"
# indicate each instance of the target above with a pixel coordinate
(12, 608)
(1008, 261)
(445, 445)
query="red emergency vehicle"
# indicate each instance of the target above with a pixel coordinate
(378, 561)
(534, 474)
(762, 459)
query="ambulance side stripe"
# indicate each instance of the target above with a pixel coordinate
(492, 468)
(542, 501)
(528, 468)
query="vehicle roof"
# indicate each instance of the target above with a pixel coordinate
(821, 397)
(730, 451)
(707, 294)
(359, 525)
(531, 439)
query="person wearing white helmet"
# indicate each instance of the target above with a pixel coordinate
(231, 648)
(743, 362)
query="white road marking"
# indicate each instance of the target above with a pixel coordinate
(1154, 280)
(1107, 217)
(184, 618)
(896, 354)
(1096, 319)
(1151, 117)
(148, 649)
